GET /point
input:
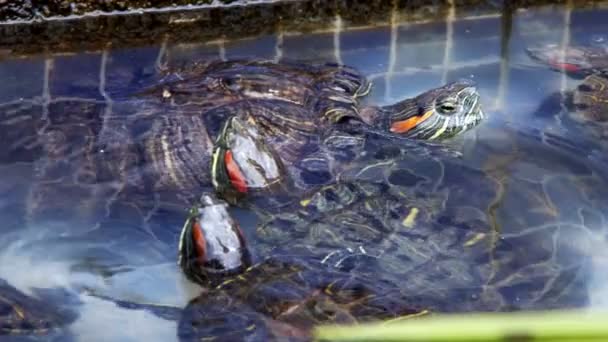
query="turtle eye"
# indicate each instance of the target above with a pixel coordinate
(447, 107)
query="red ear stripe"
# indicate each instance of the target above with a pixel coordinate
(236, 176)
(199, 242)
(405, 126)
(565, 66)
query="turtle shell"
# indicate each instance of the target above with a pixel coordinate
(421, 234)
(586, 104)
(589, 106)
(580, 114)
(282, 300)
(93, 154)
(322, 88)
(512, 243)
(23, 315)
(575, 60)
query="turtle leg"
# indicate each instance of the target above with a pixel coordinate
(222, 318)
(342, 79)
(338, 89)
(22, 315)
(219, 318)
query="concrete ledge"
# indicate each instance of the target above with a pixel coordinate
(27, 27)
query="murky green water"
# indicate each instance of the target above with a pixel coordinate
(545, 214)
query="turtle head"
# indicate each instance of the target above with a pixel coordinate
(438, 113)
(211, 243)
(243, 162)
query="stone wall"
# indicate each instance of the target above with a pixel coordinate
(27, 27)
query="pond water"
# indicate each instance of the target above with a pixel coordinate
(547, 188)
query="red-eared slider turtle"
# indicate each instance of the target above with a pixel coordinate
(280, 301)
(330, 92)
(431, 234)
(583, 110)
(23, 315)
(575, 60)
(124, 157)
(87, 150)
(587, 108)
(290, 106)
(401, 232)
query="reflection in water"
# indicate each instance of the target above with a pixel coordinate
(98, 319)
(598, 284)
(545, 186)
(103, 321)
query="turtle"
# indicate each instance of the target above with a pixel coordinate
(402, 233)
(332, 92)
(314, 97)
(23, 315)
(587, 106)
(577, 61)
(168, 139)
(94, 162)
(432, 234)
(580, 111)
(280, 299)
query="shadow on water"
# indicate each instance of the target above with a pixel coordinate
(546, 190)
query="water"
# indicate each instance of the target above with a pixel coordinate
(550, 194)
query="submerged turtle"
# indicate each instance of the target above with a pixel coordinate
(161, 140)
(575, 60)
(278, 301)
(204, 128)
(24, 315)
(402, 232)
(583, 111)
(330, 92)
(420, 235)
(588, 107)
